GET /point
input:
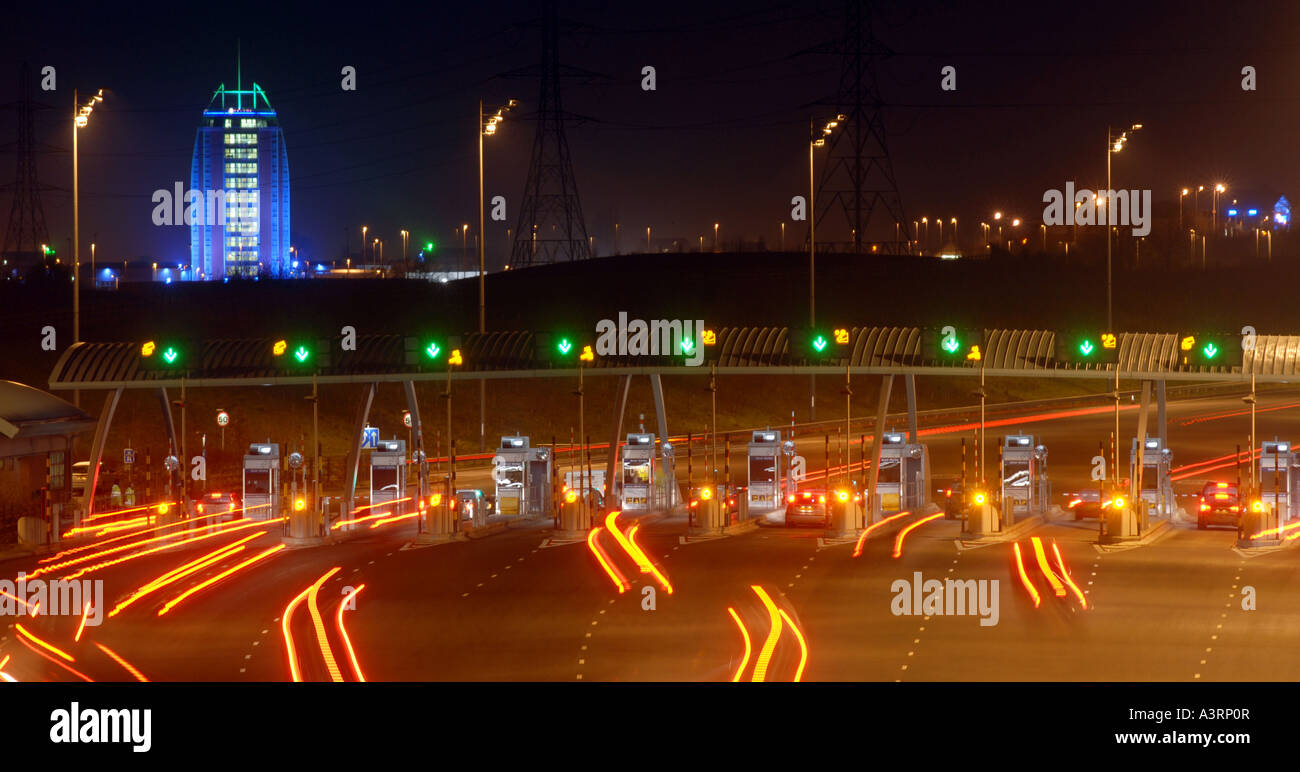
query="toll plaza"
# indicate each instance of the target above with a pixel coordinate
(638, 478)
(1279, 472)
(522, 475)
(1157, 489)
(262, 481)
(388, 473)
(903, 481)
(766, 475)
(1025, 488)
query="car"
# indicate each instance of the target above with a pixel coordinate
(951, 495)
(807, 507)
(218, 507)
(1220, 504)
(472, 505)
(1086, 503)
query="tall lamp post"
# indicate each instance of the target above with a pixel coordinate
(815, 140)
(1113, 145)
(487, 126)
(80, 118)
(406, 236)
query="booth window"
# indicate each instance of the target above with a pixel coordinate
(891, 471)
(257, 482)
(636, 472)
(383, 478)
(762, 469)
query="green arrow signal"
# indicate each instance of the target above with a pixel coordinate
(951, 344)
(564, 346)
(687, 345)
(170, 355)
(820, 343)
(432, 350)
(301, 353)
(1086, 347)
(1210, 350)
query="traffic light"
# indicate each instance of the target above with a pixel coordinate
(953, 346)
(431, 351)
(1087, 347)
(162, 355)
(297, 354)
(1210, 350)
(557, 348)
(820, 344)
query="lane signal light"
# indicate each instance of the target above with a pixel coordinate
(433, 350)
(435, 500)
(710, 337)
(571, 497)
(974, 354)
(1187, 343)
(301, 353)
(1086, 348)
(455, 358)
(820, 343)
(564, 346)
(587, 354)
(147, 349)
(841, 336)
(299, 504)
(1210, 350)
(170, 355)
(279, 347)
(951, 344)
(688, 345)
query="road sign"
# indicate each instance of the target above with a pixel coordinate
(128, 456)
(370, 437)
(406, 419)
(223, 419)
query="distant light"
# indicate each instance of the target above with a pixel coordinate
(1232, 212)
(1252, 212)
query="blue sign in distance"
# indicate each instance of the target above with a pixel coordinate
(370, 437)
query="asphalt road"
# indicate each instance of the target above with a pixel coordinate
(514, 605)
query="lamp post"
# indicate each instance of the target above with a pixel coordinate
(1113, 145)
(1181, 196)
(363, 245)
(815, 141)
(486, 128)
(406, 236)
(80, 118)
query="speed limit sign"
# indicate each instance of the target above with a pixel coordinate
(223, 418)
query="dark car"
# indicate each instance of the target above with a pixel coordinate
(1086, 503)
(950, 494)
(808, 507)
(219, 506)
(1220, 504)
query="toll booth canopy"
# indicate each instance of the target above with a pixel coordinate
(1157, 489)
(388, 471)
(765, 473)
(1279, 473)
(262, 481)
(903, 481)
(1025, 487)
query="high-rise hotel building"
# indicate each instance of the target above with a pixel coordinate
(239, 154)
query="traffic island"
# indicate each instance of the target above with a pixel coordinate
(983, 527)
(1260, 530)
(1131, 536)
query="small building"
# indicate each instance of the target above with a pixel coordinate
(37, 430)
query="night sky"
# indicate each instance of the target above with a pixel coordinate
(722, 139)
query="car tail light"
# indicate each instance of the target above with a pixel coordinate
(1236, 508)
(821, 499)
(1205, 507)
(790, 499)
(1220, 497)
(1074, 503)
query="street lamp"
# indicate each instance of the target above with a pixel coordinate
(715, 237)
(487, 128)
(406, 235)
(1113, 145)
(80, 118)
(363, 245)
(1214, 206)
(815, 140)
(1181, 196)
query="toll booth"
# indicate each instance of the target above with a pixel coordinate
(766, 477)
(262, 481)
(522, 475)
(638, 473)
(1279, 476)
(1025, 487)
(903, 482)
(387, 472)
(1157, 489)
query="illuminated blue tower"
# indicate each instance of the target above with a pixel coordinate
(240, 159)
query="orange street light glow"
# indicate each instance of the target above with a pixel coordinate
(614, 575)
(1065, 574)
(1041, 557)
(321, 640)
(803, 646)
(744, 634)
(125, 665)
(169, 605)
(1024, 577)
(862, 539)
(898, 542)
(773, 635)
(343, 632)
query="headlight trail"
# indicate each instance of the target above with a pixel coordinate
(84, 611)
(285, 618)
(33, 648)
(365, 518)
(180, 572)
(744, 634)
(803, 645)
(394, 519)
(218, 530)
(209, 582)
(1024, 577)
(862, 538)
(1065, 574)
(898, 542)
(99, 544)
(316, 621)
(125, 665)
(39, 642)
(773, 635)
(646, 565)
(615, 576)
(1057, 588)
(343, 632)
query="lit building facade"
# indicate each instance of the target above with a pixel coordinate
(240, 159)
